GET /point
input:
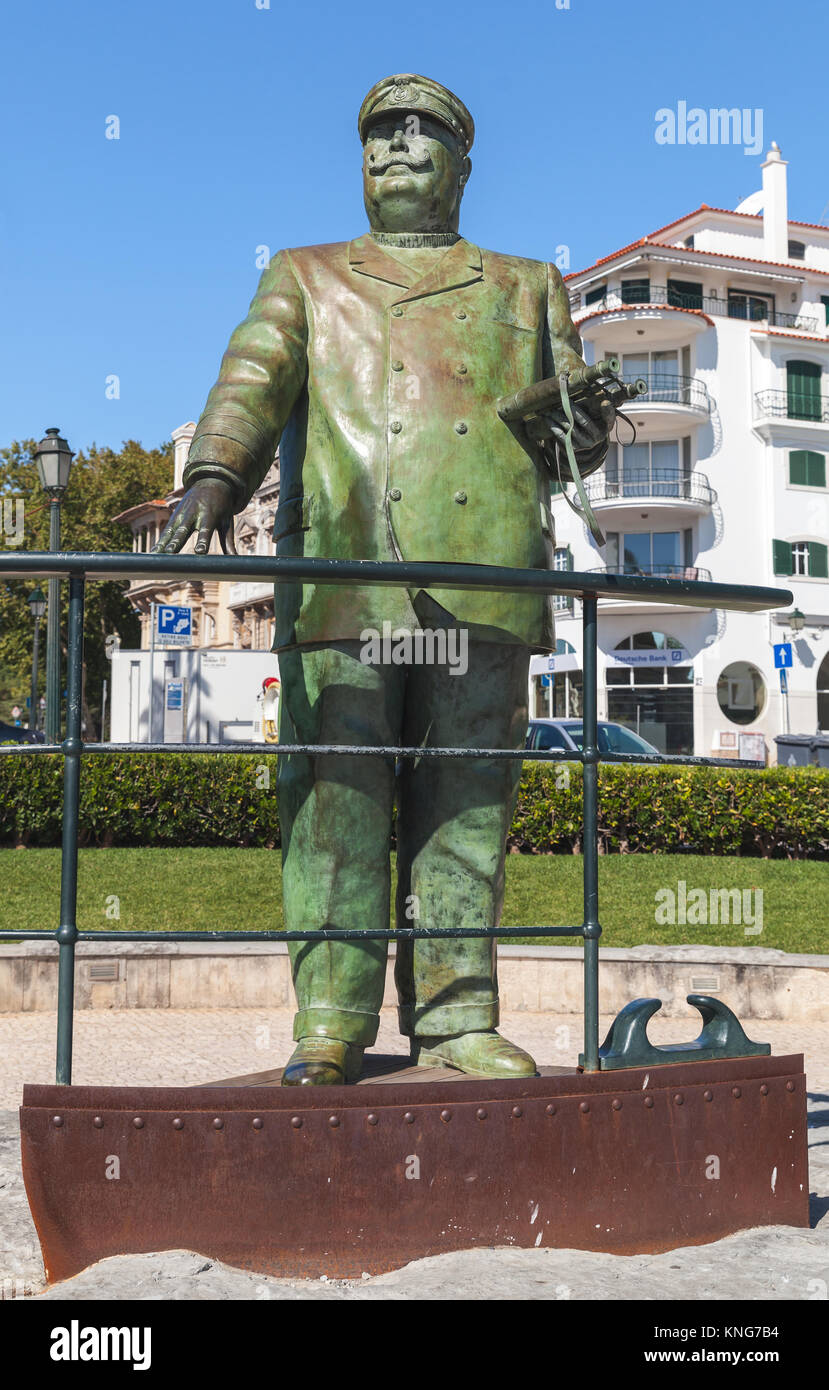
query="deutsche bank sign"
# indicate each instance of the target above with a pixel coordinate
(173, 624)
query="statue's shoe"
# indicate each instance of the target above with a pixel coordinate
(318, 1061)
(477, 1054)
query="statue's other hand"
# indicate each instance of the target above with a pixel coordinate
(206, 507)
(593, 419)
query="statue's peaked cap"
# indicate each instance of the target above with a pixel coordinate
(407, 91)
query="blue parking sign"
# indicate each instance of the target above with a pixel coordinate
(782, 655)
(174, 623)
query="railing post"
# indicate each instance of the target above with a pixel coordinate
(590, 823)
(67, 933)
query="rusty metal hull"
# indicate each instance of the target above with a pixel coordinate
(341, 1180)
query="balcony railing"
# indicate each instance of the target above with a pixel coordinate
(793, 405)
(652, 483)
(666, 388)
(689, 572)
(709, 304)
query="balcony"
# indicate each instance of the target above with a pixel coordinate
(658, 488)
(656, 571)
(669, 400)
(666, 296)
(792, 405)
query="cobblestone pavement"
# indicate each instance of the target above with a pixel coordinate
(166, 1047)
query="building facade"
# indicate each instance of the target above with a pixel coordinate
(725, 315)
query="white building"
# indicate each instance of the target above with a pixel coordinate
(725, 314)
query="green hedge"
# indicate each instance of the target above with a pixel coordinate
(227, 799)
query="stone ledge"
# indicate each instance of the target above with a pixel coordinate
(756, 982)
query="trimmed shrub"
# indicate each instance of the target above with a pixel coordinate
(230, 799)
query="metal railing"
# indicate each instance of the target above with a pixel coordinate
(651, 483)
(664, 296)
(79, 567)
(666, 388)
(692, 573)
(793, 405)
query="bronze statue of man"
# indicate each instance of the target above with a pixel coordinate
(375, 364)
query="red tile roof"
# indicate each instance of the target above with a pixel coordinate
(799, 337)
(650, 240)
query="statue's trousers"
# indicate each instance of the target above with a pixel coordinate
(453, 816)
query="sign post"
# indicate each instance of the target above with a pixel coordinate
(782, 662)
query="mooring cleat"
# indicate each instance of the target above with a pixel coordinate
(319, 1061)
(475, 1054)
(627, 1043)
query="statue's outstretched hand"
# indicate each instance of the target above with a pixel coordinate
(206, 507)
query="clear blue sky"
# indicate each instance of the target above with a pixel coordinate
(136, 256)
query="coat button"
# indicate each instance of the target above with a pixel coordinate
(395, 426)
(460, 497)
(397, 311)
(460, 314)
(462, 369)
(397, 366)
(461, 427)
(395, 494)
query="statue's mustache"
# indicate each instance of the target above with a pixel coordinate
(416, 165)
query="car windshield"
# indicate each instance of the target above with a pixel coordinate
(613, 738)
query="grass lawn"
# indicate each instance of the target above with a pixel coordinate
(240, 889)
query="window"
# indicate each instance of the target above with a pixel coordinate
(741, 692)
(548, 736)
(803, 391)
(823, 695)
(660, 553)
(642, 694)
(595, 295)
(685, 294)
(797, 250)
(806, 558)
(636, 291)
(742, 305)
(807, 468)
(824, 299)
(657, 469)
(562, 562)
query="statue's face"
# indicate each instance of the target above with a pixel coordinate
(414, 171)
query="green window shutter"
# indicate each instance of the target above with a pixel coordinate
(571, 566)
(782, 553)
(803, 390)
(824, 299)
(818, 555)
(807, 468)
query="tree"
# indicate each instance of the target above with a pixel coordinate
(102, 484)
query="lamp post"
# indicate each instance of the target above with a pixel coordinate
(797, 622)
(37, 608)
(54, 460)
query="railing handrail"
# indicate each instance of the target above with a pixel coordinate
(422, 574)
(79, 565)
(663, 571)
(665, 297)
(690, 487)
(774, 400)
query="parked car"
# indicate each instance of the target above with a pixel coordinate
(568, 734)
(16, 733)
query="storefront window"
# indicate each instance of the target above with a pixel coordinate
(652, 694)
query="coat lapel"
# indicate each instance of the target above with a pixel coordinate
(461, 265)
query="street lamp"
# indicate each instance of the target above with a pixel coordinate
(37, 608)
(797, 621)
(54, 460)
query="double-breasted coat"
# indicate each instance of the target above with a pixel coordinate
(381, 386)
